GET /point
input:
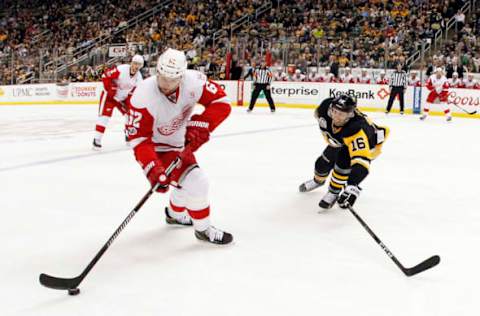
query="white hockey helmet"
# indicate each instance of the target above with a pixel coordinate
(138, 60)
(455, 74)
(172, 64)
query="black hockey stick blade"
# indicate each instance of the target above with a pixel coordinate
(73, 283)
(466, 111)
(60, 283)
(422, 266)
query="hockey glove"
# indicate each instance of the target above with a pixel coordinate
(348, 196)
(156, 174)
(197, 132)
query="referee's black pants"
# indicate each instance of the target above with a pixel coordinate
(256, 91)
(393, 93)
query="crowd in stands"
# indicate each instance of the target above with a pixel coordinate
(462, 50)
(338, 34)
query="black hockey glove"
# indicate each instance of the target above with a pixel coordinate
(348, 196)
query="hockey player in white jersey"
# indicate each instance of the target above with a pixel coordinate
(414, 80)
(470, 82)
(327, 76)
(364, 77)
(438, 86)
(118, 81)
(455, 82)
(347, 77)
(161, 128)
(297, 76)
(314, 76)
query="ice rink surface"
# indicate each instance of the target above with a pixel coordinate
(60, 202)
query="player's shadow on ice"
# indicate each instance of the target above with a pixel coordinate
(160, 244)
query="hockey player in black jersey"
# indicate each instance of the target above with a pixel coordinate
(353, 142)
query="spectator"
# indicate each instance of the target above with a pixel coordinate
(451, 68)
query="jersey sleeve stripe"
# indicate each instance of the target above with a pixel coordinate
(137, 141)
(224, 99)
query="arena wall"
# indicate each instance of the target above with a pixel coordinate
(286, 94)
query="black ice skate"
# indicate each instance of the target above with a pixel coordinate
(328, 200)
(185, 220)
(96, 144)
(309, 185)
(214, 236)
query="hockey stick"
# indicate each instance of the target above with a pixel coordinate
(468, 112)
(72, 284)
(422, 266)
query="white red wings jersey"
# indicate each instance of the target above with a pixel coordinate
(328, 78)
(414, 82)
(280, 76)
(455, 83)
(347, 79)
(439, 85)
(363, 79)
(158, 123)
(381, 81)
(118, 82)
(470, 84)
(297, 78)
(314, 77)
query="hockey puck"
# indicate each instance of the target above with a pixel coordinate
(73, 291)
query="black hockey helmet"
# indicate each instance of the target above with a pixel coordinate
(344, 103)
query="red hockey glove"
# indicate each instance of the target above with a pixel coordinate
(156, 174)
(197, 132)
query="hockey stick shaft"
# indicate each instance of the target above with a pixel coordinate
(464, 110)
(422, 266)
(375, 237)
(65, 284)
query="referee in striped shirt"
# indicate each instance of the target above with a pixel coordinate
(262, 77)
(398, 85)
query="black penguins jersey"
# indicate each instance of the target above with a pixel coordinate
(360, 135)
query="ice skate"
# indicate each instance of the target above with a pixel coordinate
(214, 236)
(328, 200)
(184, 219)
(309, 185)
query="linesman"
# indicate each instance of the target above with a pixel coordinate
(398, 85)
(262, 78)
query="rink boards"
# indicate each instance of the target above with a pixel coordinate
(370, 97)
